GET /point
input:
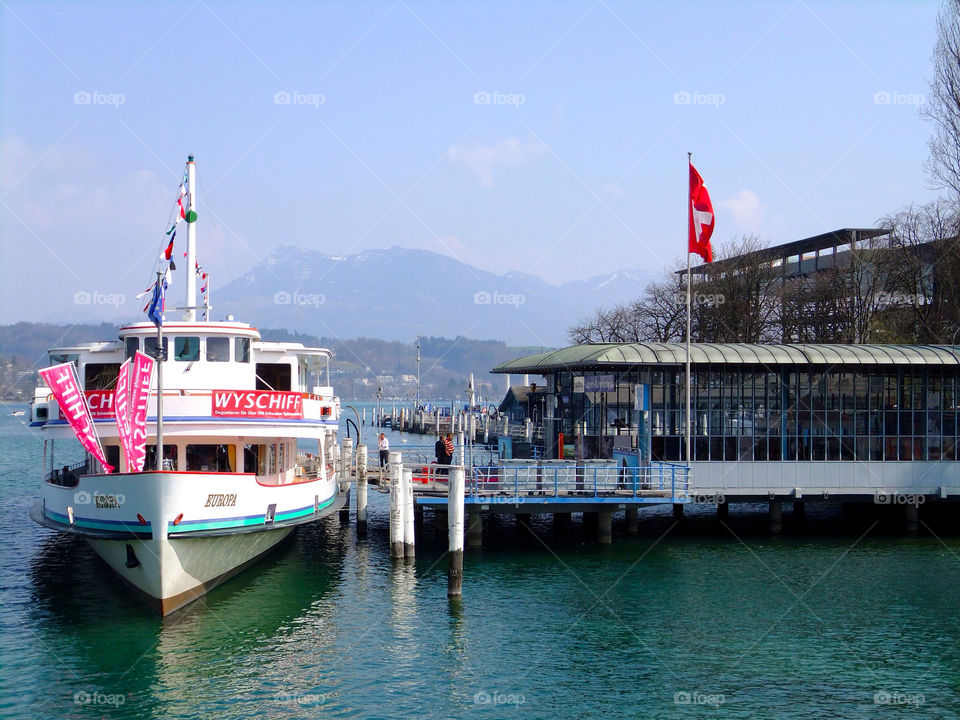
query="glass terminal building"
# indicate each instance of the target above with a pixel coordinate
(766, 418)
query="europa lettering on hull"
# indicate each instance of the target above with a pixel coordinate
(257, 404)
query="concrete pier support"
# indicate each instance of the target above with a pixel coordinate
(776, 515)
(911, 518)
(799, 511)
(475, 530)
(633, 520)
(590, 522)
(723, 511)
(678, 510)
(605, 527)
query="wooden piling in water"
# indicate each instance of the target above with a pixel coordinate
(776, 515)
(346, 472)
(395, 468)
(361, 490)
(409, 532)
(455, 533)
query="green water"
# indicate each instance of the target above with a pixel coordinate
(688, 621)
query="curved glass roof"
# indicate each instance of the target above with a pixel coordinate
(611, 355)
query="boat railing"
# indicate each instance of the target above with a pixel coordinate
(68, 475)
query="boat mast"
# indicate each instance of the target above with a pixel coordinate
(161, 356)
(191, 312)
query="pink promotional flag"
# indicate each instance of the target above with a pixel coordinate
(137, 410)
(63, 383)
(121, 409)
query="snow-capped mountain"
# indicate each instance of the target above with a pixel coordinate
(395, 293)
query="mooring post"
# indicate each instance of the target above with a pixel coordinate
(776, 515)
(346, 471)
(633, 520)
(605, 527)
(396, 505)
(409, 541)
(455, 533)
(361, 489)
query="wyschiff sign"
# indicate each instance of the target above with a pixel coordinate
(257, 404)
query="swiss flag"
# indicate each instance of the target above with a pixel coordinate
(701, 217)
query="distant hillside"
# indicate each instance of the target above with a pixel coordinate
(398, 292)
(360, 367)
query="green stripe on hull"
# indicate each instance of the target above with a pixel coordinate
(231, 524)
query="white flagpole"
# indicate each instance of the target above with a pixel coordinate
(689, 422)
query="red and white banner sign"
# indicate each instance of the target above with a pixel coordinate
(121, 401)
(63, 383)
(137, 409)
(257, 404)
(101, 403)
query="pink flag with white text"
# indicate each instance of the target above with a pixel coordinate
(63, 383)
(139, 395)
(121, 409)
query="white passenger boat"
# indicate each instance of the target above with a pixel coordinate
(248, 431)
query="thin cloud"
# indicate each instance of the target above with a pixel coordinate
(746, 209)
(482, 160)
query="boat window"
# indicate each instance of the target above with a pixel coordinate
(57, 358)
(241, 351)
(150, 347)
(112, 453)
(169, 457)
(100, 376)
(271, 459)
(186, 349)
(255, 459)
(211, 458)
(218, 349)
(130, 346)
(273, 376)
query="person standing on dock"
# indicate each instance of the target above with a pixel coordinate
(440, 450)
(384, 446)
(448, 448)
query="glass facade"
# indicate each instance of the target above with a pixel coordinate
(754, 413)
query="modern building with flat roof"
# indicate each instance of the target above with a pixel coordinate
(768, 420)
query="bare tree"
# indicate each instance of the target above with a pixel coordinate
(923, 281)
(944, 106)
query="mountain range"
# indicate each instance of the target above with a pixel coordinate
(396, 293)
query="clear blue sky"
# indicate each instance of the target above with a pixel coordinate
(575, 167)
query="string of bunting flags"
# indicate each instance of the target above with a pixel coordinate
(155, 306)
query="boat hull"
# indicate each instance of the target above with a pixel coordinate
(173, 536)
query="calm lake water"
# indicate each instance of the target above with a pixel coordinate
(688, 621)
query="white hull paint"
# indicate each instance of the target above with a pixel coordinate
(197, 529)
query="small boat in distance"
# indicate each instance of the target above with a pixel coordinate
(231, 412)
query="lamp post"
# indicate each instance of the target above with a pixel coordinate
(379, 398)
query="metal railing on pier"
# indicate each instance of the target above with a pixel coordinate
(562, 481)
